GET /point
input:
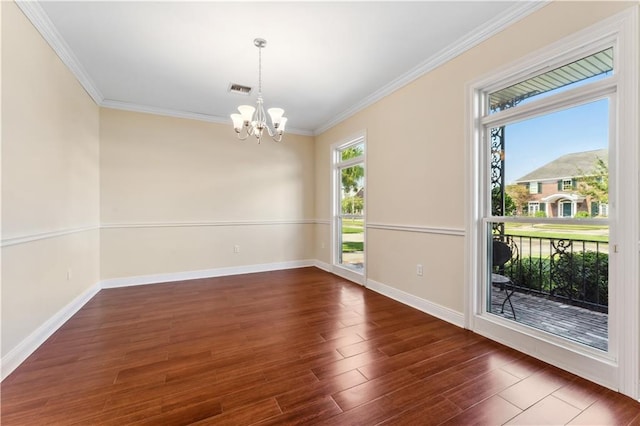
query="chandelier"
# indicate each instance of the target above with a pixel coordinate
(253, 120)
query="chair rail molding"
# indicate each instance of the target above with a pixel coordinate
(27, 238)
(459, 232)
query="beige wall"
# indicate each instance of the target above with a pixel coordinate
(170, 172)
(50, 182)
(415, 158)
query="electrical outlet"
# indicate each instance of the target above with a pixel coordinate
(419, 270)
(68, 274)
(236, 249)
(322, 244)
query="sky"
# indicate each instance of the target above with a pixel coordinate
(535, 142)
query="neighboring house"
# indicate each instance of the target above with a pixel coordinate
(553, 188)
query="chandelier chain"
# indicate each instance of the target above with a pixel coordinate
(259, 70)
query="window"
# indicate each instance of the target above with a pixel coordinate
(349, 209)
(515, 123)
(496, 104)
(603, 210)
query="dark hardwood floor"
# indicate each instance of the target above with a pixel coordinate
(287, 347)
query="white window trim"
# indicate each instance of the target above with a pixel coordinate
(336, 163)
(532, 186)
(621, 30)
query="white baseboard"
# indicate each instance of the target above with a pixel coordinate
(322, 265)
(17, 355)
(21, 352)
(205, 273)
(438, 311)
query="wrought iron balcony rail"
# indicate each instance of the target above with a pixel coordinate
(572, 271)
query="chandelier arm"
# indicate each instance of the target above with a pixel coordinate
(239, 135)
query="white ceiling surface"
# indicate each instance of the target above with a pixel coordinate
(323, 61)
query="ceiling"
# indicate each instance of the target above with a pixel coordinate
(323, 61)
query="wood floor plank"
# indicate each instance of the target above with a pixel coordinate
(298, 346)
(373, 389)
(294, 399)
(428, 413)
(321, 408)
(245, 415)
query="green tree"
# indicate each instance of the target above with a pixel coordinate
(596, 184)
(352, 205)
(509, 205)
(520, 196)
(352, 176)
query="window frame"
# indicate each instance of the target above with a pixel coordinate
(337, 164)
(621, 31)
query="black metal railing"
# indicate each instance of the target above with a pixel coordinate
(573, 271)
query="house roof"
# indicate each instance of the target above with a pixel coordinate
(569, 165)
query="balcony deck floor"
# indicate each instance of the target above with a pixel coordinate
(578, 324)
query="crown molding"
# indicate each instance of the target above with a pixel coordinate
(34, 12)
(127, 106)
(40, 20)
(472, 39)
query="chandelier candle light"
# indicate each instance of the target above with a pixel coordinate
(247, 123)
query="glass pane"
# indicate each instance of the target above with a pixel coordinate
(556, 165)
(593, 67)
(352, 189)
(352, 152)
(352, 232)
(352, 214)
(552, 277)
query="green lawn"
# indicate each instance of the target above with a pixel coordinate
(352, 246)
(352, 230)
(352, 226)
(557, 231)
(570, 227)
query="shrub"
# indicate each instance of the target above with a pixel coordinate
(583, 276)
(540, 213)
(582, 215)
(532, 273)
